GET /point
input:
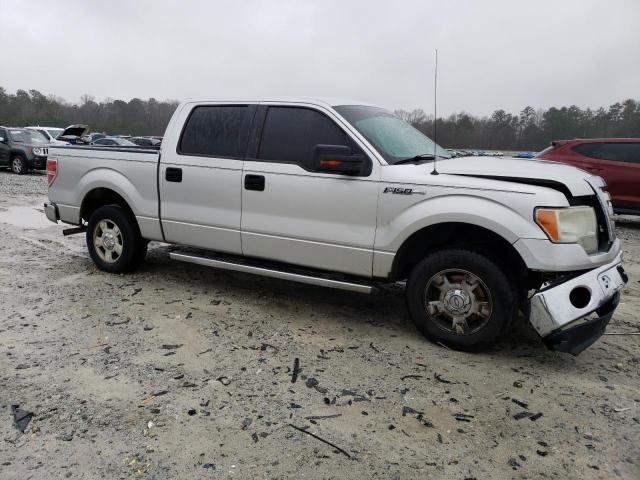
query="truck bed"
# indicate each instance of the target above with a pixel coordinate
(130, 171)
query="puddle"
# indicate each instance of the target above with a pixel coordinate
(27, 217)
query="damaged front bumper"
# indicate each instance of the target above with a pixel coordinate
(570, 316)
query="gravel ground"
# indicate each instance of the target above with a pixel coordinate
(179, 371)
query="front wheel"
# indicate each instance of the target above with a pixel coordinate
(461, 299)
(18, 165)
(114, 241)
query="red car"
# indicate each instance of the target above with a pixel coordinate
(617, 160)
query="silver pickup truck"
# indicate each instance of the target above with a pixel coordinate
(346, 195)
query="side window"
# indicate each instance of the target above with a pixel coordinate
(633, 152)
(586, 149)
(216, 131)
(290, 135)
(621, 152)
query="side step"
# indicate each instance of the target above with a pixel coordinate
(309, 278)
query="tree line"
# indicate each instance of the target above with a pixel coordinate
(530, 129)
(135, 117)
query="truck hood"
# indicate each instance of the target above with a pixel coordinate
(556, 175)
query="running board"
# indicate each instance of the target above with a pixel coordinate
(268, 272)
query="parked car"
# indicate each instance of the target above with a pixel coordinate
(617, 160)
(145, 141)
(344, 196)
(113, 142)
(22, 150)
(51, 133)
(92, 137)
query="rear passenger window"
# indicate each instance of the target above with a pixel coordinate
(622, 152)
(216, 131)
(586, 149)
(291, 134)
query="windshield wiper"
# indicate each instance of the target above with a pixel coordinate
(417, 158)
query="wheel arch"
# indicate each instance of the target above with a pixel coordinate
(18, 152)
(457, 235)
(101, 196)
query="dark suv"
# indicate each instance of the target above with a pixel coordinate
(22, 150)
(617, 160)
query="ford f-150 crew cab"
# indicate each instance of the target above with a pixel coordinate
(347, 195)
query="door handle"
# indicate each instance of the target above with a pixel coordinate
(172, 174)
(254, 182)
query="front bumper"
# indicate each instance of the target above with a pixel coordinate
(38, 163)
(572, 315)
(51, 211)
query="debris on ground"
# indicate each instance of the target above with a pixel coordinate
(335, 447)
(21, 418)
(440, 378)
(296, 370)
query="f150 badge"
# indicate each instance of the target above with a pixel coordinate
(401, 191)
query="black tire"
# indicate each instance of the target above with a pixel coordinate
(132, 248)
(494, 298)
(18, 165)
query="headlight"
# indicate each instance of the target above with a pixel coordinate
(570, 225)
(37, 151)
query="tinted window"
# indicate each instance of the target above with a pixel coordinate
(216, 131)
(624, 152)
(291, 134)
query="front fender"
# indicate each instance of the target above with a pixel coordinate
(469, 209)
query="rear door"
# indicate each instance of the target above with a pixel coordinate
(200, 178)
(619, 164)
(295, 214)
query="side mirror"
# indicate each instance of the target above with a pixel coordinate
(337, 159)
(2, 139)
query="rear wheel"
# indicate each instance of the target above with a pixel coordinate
(461, 299)
(114, 241)
(18, 165)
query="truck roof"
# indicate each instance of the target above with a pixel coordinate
(320, 101)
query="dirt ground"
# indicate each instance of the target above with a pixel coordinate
(179, 371)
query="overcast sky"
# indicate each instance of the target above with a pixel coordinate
(492, 53)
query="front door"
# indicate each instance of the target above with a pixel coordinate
(295, 214)
(200, 180)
